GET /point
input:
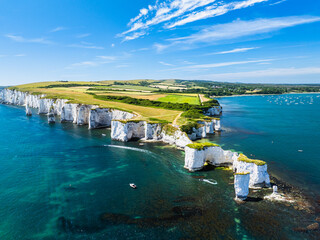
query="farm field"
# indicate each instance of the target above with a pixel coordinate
(79, 92)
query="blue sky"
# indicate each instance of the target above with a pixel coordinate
(264, 41)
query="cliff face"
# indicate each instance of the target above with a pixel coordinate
(207, 127)
(195, 160)
(126, 131)
(259, 176)
(241, 185)
(214, 111)
(79, 114)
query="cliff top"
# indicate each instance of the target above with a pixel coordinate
(244, 158)
(202, 146)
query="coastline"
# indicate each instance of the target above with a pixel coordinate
(151, 131)
(258, 195)
(279, 94)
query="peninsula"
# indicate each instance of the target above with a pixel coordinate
(171, 111)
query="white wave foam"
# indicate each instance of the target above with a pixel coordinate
(129, 148)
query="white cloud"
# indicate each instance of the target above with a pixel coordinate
(236, 50)
(272, 72)
(113, 45)
(26, 40)
(180, 12)
(83, 35)
(166, 64)
(276, 3)
(214, 11)
(20, 55)
(99, 60)
(57, 29)
(222, 64)
(238, 29)
(85, 45)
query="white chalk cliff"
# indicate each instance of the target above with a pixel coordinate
(241, 185)
(80, 114)
(128, 130)
(197, 155)
(206, 127)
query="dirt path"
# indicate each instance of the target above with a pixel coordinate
(176, 119)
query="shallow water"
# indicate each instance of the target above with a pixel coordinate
(63, 181)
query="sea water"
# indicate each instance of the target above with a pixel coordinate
(62, 181)
(283, 130)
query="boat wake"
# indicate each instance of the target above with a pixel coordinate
(210, 181)
(129, 148)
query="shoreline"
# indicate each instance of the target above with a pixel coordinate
(167, 141)
(279, 94)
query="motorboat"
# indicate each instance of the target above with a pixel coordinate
(133, 185)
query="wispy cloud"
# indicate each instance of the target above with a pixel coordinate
(83, 35)
(276, 3)
(21, 39)
(100, 60)
(20, 55)
(222, 64)
(57, 29)
(236, 50)
(237, 29)
(173, 13)
(272, 72)
(85, 45)
(165, 63)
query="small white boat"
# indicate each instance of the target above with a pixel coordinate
(300, 150)
(133, 185)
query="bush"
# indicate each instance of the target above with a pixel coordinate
(188, 128)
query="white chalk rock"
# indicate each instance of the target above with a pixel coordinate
(51, 117)
(178, 138)
(125, 131)
(217, 125)
(195, 159)
(45, 106)
(153, 131)
(241, 185)
(121, 115)
(28, 111)
(214, 111)
(83, 114)
(100, 118)
(259, 176)
(69, 113)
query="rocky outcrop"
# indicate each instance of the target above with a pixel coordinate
(51, 117)
(175, 137)
(259, 176)
(153, 131)
(214, 111)
(205, 128)
(28, 111)
(197, 155)
(128, 130)
(241, 185)
(100, 118)
(77, 113)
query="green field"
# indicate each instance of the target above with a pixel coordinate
(148, 103)
(180, 99)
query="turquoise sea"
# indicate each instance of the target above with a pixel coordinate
(63, 181)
